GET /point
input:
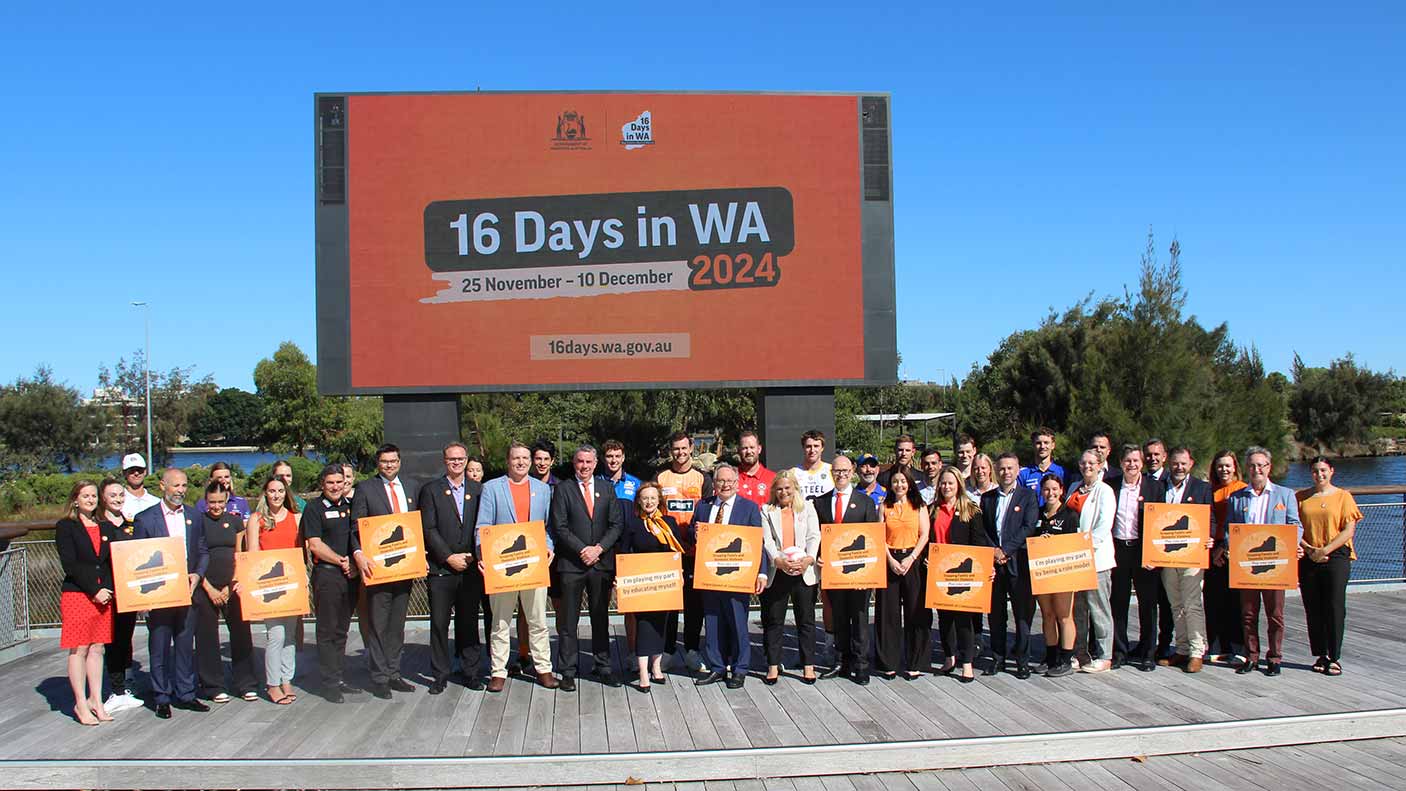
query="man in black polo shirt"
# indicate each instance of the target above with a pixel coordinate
(327, 530)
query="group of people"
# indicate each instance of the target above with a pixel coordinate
(1185, 616)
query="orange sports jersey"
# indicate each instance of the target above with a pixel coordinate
(682, 491)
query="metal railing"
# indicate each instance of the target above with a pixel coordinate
(14, 597)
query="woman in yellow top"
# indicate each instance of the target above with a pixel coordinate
(900, 612)
(1329, 517)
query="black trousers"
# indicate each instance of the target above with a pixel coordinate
(1224, 634)
(460, 596)
(1127, 576)
(1324, 590)
(958, 631)
(786, 589)
(1166, 624)
(118, 656)
(1016, 590)
(386, 607)
(903, 619)
(692, 614)
(335, 597)
(596, 583)
(849, 612)
(209, 666)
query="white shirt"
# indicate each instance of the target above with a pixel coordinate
(133, 504)
(1003, 503)
(399, 493)
(724, 509)
(1259, 506)
(1175, 492)
(1125, 519)
(814, 482)
(175, 520)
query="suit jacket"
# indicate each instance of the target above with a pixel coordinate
(1283, 509)
(744, 512)
(371, 499)
(84, 570)
(1022, 515)
(445, 533)
(972, 534)
(495, 506)
(861, 507)
(636, 537)
(1150, 490)
(807, 527)
(573, 529)
(1198, 492)
(151, 523)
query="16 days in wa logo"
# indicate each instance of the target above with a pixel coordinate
(571, 134)
(638, 133)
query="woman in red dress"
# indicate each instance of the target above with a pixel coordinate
(86, 604)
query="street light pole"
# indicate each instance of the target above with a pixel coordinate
(146, 361)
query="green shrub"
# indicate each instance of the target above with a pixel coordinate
(16, 496)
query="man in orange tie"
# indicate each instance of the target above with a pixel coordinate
(387, 603)
(585, 522)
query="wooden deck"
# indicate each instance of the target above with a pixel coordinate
(527, 720)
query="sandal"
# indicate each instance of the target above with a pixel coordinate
(283, 698)
(1332, 669)
(1321, 665)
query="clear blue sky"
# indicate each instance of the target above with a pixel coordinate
(164, 153)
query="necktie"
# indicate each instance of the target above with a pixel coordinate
(722, 513)
(839, 507)
(590, 501)
(395, 501)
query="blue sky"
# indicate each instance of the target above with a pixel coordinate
(165, 154)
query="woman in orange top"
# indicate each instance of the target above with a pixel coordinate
(1329, 517)
(1222, 605)
(900, 613)
(274, 525)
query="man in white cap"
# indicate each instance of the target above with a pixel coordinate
(118, 657)
(134, 476)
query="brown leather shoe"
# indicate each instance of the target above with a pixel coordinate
(1193, 665)
(547, 680)
(496, 684)
(1180, 660)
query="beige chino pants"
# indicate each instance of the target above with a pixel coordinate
(504, 607)
(1183, 588)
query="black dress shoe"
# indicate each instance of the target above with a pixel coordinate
(607, 677)
(401, 685)
(191, 705)
(711, 678)
(837, 670)
(1245, 668)
(475, 683)
(163, 711)
(333, 695)
(861, 678)
(991, 671)
(568, 684)
(1022, 672)
(381, 691)
(736, 681)
(437, 686)
(1118, 661)
(347, 689)
(1271, 669)
(1146, 665)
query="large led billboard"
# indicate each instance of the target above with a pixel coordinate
(556, 241)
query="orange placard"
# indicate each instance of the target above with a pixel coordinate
(1264, 557)
(395, 545)
(959, 577)
(852, 556)
(273, 583)
(649, 582)
(728, 558)
(1174, 536)
(514, 556)
(150, 574)
(1062, 563)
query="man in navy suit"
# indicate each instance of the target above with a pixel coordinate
(387, 602)
(585, 522)
(171, 630)
(1010, 513)
(728, 643)
(847, 503)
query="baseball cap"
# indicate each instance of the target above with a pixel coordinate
(133, 460)
(868, 458)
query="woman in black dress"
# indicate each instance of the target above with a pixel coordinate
(1057, 609)
(649, 529)
(86, 602)
(216, 596)
(960, 520)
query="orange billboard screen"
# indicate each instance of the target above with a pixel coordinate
(511, 241)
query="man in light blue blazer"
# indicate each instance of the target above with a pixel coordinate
(171, 630)
(1261, 503)
(728, 644)
(500, 505)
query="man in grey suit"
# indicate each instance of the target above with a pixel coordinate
(387, 602)
(585, 522)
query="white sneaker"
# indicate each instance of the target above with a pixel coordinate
(1096, 666)
(116, 703)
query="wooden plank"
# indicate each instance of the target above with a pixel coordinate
(455, 739)
(619, 724)
(537, 740)
(595, 735)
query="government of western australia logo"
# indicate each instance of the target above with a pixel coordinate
(571, 132)
(639, 132)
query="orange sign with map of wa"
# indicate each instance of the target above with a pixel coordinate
(959, 577)
(514, 556)
(853, 556)
(273, 583)
(649, 582)
(395, 545)
(1061, 563)
(150, 574)
(728, 558)
(1174, 535)
(1264, 557)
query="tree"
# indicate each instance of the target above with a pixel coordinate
(295, 415)
(45, 424)
(177, 396)
(1338, 404)
(231, 417)
(359, 429)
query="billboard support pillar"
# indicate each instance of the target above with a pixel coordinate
(421, 425)
(784, 413)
